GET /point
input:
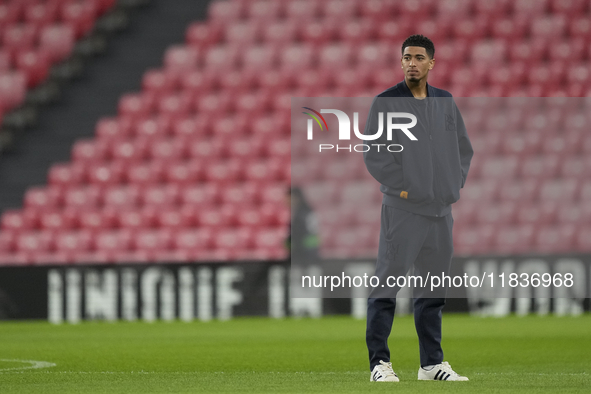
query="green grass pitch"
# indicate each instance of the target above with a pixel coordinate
(259, 355)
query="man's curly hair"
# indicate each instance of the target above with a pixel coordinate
(418, 40)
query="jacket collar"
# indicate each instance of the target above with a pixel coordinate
(407, 93)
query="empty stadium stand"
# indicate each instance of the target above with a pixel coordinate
(195, 166)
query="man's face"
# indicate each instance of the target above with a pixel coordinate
(416, 63)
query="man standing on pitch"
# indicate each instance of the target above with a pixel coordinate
(419, 185)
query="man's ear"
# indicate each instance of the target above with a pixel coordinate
(431, 64)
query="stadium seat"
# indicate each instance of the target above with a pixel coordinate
(13, 88)
(41, 14)
(58, 220)
(145, 173)
(82, 197)
(42, 198)
(35, 241)
(555, 239)
(113, 241)
(203, 35)
(511, 240)
(90, 150)
(137, 219)
(73, 241)
(541, 213)
(121, 196)
(583, 240)
(80, 15)
(98, 220)
(15, 221)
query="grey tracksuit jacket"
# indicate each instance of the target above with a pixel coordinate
(426, 176)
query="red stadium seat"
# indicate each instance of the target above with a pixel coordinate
(240, 193)
(160, 81)
(233, 239)
(550, 27)
(191, 127)
(107, 174)
(377, 10)
(7, 242)
(499, 167)
(19, 37)
(35, 241)
(580, 26)
(192, 240)
(511, 240)
(129, 151)
(98, 220)
(152, 240)
(90, 151)
(583, 240)
(275, 214)
(41, 14)
(224, 12)
(42, 198)
(82, 197)
(217, 218)
(176, 105)
(474, 240)
(121, 197)
(203, 195)
(16, 220)
(559, 190)
(74, 241)
(227, 171)
(567, 144)
(302, 10)
(574, 214)
(158, 196)
(10, 12)
(503, 213)
(185, 173)
(221, 58)
(297, 57)
(158, 126)
(265, 170)
(145, 173)
(35, 64)
(202, 35)
(209, 149)
(58, 220)
(179, 59)
(81, 15)
(13, 87)
(136, 105)
(542, 213)
(137, 219)
(113, 241)
(176, 218)
(272, 241)
(576, 167)
(540, 166)
(116, 127)
(555, 239)
(242, 33)
(280, 33)
(67, 174)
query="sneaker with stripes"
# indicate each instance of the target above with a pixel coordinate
(383, 373)
(441, 371)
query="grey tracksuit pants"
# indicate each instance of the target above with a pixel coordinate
(406, 240)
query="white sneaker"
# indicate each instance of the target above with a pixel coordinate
(383, 373)
(441, 371)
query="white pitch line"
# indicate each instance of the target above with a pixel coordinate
(34, 364)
